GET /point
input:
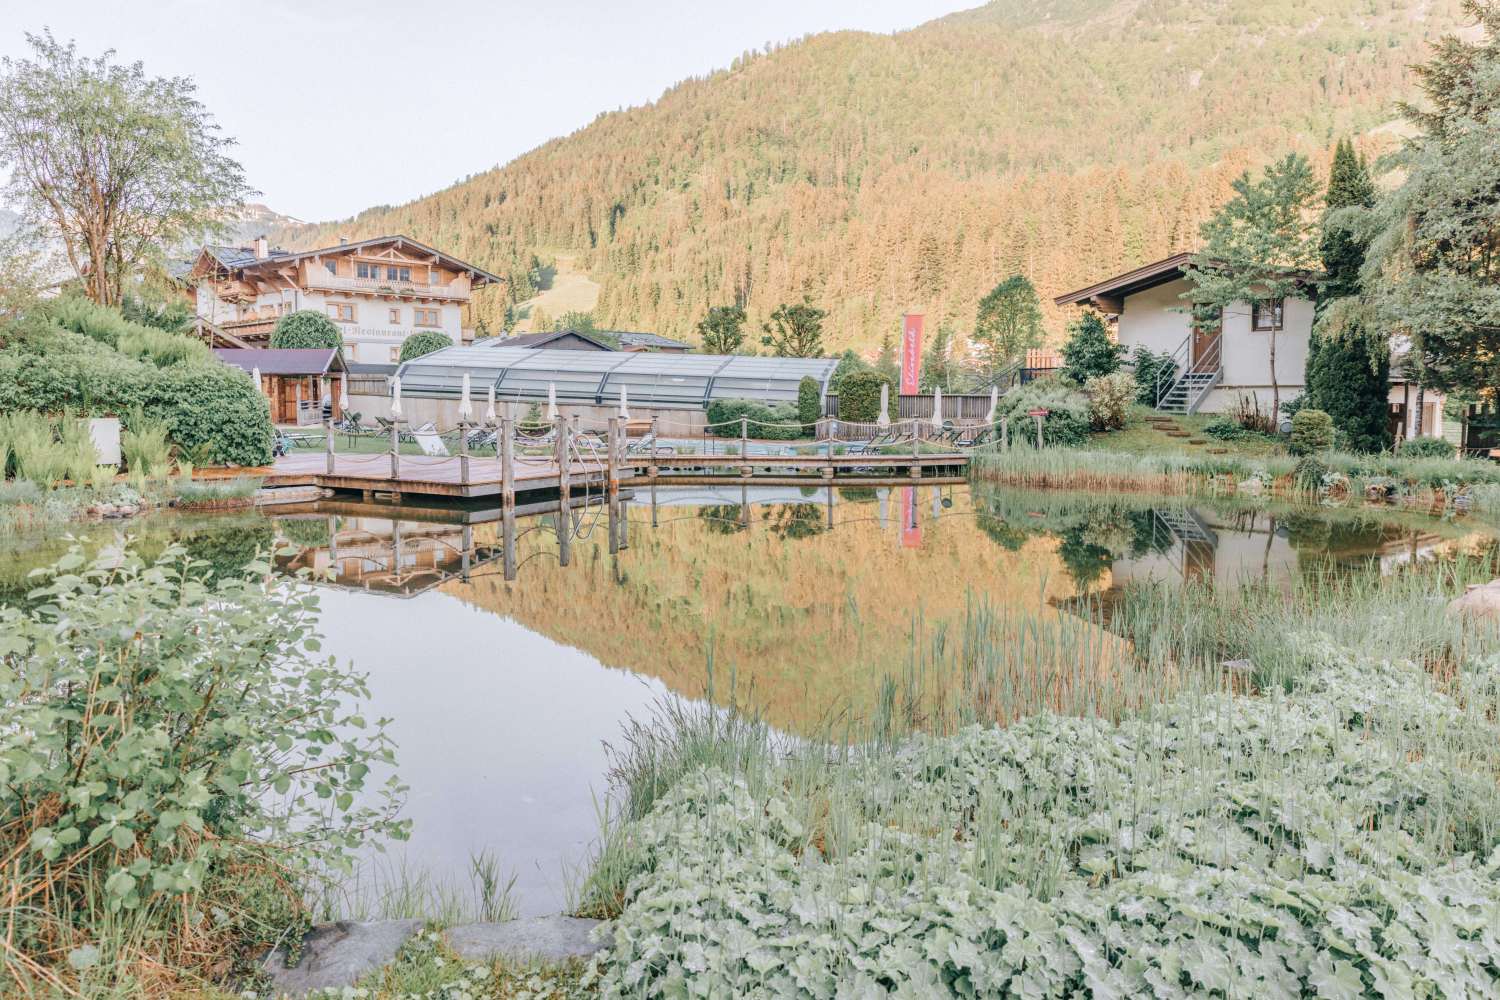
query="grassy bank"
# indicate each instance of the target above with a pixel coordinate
(1333, 833)
(1424, 480)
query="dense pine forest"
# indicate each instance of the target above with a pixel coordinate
(1061, 139)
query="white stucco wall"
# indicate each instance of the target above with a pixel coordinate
(1156, 319)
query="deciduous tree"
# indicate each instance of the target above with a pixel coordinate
(722, 330)
(795, 331)
(116, 166)
(1260, 247)
(1008, 324)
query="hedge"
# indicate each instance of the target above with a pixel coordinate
(214, 412)
(769, 423)
(859, 396)
(306, 329)
(424, 342)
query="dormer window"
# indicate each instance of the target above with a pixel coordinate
(1266, 316)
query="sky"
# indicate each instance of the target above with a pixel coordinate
(341, 106)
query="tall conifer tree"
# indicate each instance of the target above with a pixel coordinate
(1346, 375)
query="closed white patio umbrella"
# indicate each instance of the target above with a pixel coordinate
(884, 420)
(465, 406)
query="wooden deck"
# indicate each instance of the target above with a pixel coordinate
(427, 476)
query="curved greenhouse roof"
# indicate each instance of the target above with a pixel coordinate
(685, 381)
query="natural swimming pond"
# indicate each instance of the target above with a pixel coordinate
(505, 672)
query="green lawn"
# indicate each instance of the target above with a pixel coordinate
(1140, 437)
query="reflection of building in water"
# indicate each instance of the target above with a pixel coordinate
(403, 558)
(1228, 548)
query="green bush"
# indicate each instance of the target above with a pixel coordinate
(1225, 429)
(1310, 471)
(424, 342)
(306, 329)
(809, 400)
(1067, 422)
(1426, 447)
(859, 395)
(1312, 432)
(1149, 367)
(1109, 400)
(168, 752)
(772, 423)
(161, 347)
(212, 409)
(1088, 352)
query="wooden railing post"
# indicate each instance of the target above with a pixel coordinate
(330, 445)
(507, 448)
(744, 437)
(396, 448)
(564, 432)
(612, 446)
(463, 453)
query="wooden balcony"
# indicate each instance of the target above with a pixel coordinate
(319, 279)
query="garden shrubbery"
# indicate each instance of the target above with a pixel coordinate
(809, 400)
(169, 768)
(1151, 369)
(1067, 421)
(771, 423)
(1312, 432)
(1425, 447)
(1109, 400)
(74, 364)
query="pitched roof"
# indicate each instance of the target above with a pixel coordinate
(238, 258)
(630, 339)
(541, 339)
(283, 361)
(1138, 280)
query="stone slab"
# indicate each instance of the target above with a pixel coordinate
(553, 938)
(338, 954)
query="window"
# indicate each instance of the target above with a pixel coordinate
(332, 265)
(398, 274)
(395, 355)
(341, 312)
(426, 317)
(1266, 316)
(434, 278)
(367, 270)
(394, 315)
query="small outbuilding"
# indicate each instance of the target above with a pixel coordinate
(298, 382)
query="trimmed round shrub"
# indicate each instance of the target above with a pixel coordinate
(1312, 432)
(306, 329)
(422, 343)
(809, 400)
(859, 396)
(1426, 447)
(1067, 420)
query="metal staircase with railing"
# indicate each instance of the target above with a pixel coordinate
(1181, 386)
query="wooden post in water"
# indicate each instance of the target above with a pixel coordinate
(564, 506)
(744, 505)
(507, 447)
(830, 506)
(395, 448)
(468, 546)
(508, 539)
(624, 506)
(330, 444)
(612, 459)
(653, 502)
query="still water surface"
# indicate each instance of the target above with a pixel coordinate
(506, 677)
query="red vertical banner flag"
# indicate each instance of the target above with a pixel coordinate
(911, 353)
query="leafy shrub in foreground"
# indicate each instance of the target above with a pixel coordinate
(1274, 846)
(168, 750)
(809, 400)
(1149, 368)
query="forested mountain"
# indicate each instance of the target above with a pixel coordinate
(1063, 139)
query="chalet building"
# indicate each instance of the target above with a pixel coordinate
(379, 291)
(1216, 367)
